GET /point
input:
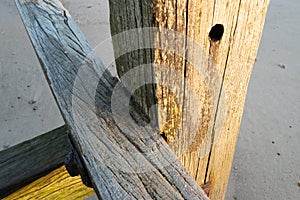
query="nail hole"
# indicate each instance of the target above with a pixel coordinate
(216, 32)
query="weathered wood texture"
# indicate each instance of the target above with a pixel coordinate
(201, 74)
(56, 185)
(127, 15)
(124, 160)
(25, 162)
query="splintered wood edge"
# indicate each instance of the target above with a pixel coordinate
(111, 153)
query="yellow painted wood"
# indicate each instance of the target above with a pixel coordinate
(56, 185)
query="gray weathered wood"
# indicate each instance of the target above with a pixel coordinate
(124, 160)
(25, 162)
(130, 15)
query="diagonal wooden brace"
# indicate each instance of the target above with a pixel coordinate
(124, 160)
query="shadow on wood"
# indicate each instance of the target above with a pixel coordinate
(125, 160)
(203, 53)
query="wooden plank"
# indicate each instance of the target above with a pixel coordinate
(203, 53)
(56, 185)
(125, 160)
(242, 44)
(25, 162)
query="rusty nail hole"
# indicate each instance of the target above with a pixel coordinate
(216, 32)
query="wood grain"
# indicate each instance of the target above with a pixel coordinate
(25, 162)
(125, 159)
(201, 82)
(243, 41)
(124, 16)
(56, 185)
(219, 79)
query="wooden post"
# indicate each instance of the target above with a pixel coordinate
(202, 55)
(124, 157)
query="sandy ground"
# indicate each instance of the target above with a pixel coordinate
(21, 81)
(266, 163)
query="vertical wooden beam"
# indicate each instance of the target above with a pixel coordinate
(242, 45)
(123, 159)
(203, 53)
(127, 15)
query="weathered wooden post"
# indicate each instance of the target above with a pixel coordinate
(120, 157)
(200, 55)
(194, 62)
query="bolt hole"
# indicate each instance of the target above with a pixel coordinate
(216, 32)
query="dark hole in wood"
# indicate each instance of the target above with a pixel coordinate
(216, 32)
(163, 135)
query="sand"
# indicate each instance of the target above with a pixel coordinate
(266, 162)
(21, 83)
